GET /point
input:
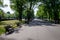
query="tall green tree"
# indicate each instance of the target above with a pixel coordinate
(18, 5)
(30, 10)
(56, 8)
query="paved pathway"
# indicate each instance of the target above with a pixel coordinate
(36, 30)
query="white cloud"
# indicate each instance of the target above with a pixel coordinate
(6, 9)
(7, 2)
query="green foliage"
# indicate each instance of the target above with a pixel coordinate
(8, 16)
(1, 2)
(18, 6)
(1, 13)
(29, 13)
(24, 14)
(16, 15)
(41, 11)
(2, 30)
(51, 9)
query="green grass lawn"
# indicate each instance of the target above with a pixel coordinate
(8, 22)
(2, 30)
(3, 23)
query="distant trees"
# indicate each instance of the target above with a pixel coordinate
(52, 9)
(41, 13)
(1, 11)
(16, 15)
(48, 9)
(1, 14)
(8, 16)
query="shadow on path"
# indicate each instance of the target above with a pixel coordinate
(38, 22)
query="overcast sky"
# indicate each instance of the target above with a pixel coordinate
(6, 9)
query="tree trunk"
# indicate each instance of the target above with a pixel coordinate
(56, 17)
(20, 14)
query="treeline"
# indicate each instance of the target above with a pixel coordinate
(24, 9)
(49, 9)
(6, 16)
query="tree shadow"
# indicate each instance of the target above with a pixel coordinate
(40, 23)
(29, 39)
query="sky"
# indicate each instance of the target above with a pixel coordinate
(6, 9)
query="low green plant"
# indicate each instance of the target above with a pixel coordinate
(2, 30)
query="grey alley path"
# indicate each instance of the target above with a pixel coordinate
(36, 30)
